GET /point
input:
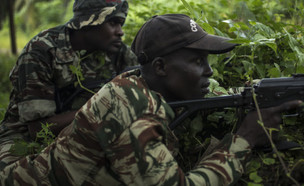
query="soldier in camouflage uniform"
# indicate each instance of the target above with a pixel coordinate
(44, 77)
(121, 135)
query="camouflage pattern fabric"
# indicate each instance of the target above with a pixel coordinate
(43, 67)
(121, 137)
(95, 12)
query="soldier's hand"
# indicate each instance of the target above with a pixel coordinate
(272, 118)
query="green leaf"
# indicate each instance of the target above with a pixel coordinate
(19, 148)
(273, 46)
(253, 165)
(253, 23)
(73, 69)
(189, 8)
(233, 29)
(247, 65)
(208, 28)
(255, 177)
(196, 125)
(300, 70)
(240, 41)
(290, 120)
(269, 161)
(274, 72)
(215, 117)
(213, 84)
(263, 29)
(277, 67)
(243, 26)
(261, 70)
(259, 38)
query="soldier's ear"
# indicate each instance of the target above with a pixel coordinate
(159, 66)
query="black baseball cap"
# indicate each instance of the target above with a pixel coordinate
(163, 34)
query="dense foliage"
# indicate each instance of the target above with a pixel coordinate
(270, 35)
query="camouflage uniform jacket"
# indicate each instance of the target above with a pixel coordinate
(45, 67)
(121, 137)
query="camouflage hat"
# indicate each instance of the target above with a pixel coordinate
(95, 12)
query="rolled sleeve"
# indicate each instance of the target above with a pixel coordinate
(35, 109)
(34, 87)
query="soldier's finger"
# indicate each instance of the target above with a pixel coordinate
(287, 106)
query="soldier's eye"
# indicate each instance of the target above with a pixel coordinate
(198, 61)
(112, 23)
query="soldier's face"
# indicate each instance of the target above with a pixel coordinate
(188, 72)
(106, 37)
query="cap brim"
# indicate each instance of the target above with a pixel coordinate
(213, 44)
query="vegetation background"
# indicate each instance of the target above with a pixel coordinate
(270, 34)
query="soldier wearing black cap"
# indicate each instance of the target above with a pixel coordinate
(45, 85)
(121, 135)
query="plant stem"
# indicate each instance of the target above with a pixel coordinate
(79, 71)
(288, 174)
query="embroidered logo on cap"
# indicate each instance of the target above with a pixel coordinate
(193, 25)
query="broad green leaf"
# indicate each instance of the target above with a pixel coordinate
(290, 120)
(237, 26)
(277, 66)
(261, 70)
(215, 117)
(243, 26)
(274, 72)
(19, 148)
(247, 65)
(196, 125)
(273, 46)
(253, 166)
(264, 29)
(232, 29)
(239, 70)
(189, 8)
(253, 23)
(255, 177)
(240, 41)
(300, 70)
(269, 161)
(208, 28)
(213, 83)
(219, 32)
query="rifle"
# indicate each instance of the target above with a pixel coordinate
(269, 92)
